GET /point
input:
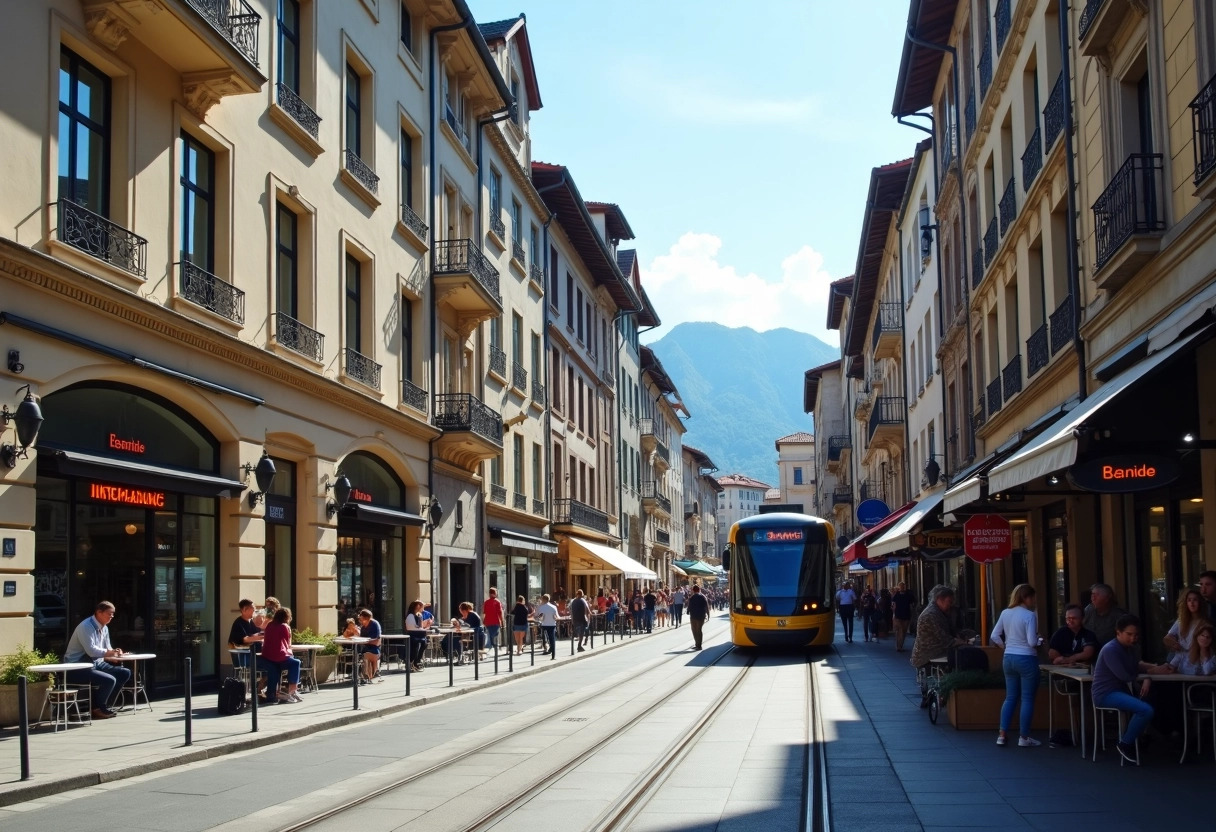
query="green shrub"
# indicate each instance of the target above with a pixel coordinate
(16, 665)
(969, 680)
(326, 640)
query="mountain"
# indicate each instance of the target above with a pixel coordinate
(743, 389)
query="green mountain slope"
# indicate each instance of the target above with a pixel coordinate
(743, 389)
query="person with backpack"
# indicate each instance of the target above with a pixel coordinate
(580, 618)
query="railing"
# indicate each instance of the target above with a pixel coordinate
(690, 509)
(240, 28)
(362, 172)
(463, 411)
(1008, 206)
(299, 337)
(661, 450)
(498, 494)
(1129, 205)
(538, 392)
(538, 508)
(517, 252)
(537, 274)
(1011, 377)
(1203, 116)
(993, 396)
(990, 242)
(454, 123)
(361, 368)
(969, 115)
(888, 410)
(871, 491)
(568, 510)
(108, 241)
(890, 318)
(1003, 24)
(519, 376)
(413, 395)
(646, 427)
(1053, 114)
(413, 222)
(842, 494)
(952, 453)
(1088, 16)
(977, 264)
(980, 415)
(519, 501)
(213, 293)
(985, 65)
(459, 256)
(1061, 325)
(497, 225)
(1037, 351)
(947, 143)
(662, 538)
(607, 375)
(1032, 159)
(650, 491)
(498, 360)
(837, 444)
(295, 107)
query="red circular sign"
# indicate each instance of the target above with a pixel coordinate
(987, 538)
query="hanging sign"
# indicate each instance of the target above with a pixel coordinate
(872, 512)
(987, 538)
(1124, 473)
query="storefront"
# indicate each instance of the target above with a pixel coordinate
(515, 563)
(590, 565)
(127, 511)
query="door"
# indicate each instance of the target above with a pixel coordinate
(1055, 561)
(360, 562)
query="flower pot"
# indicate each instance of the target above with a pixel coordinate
(36, 695)
(324, 667)
(980, 710)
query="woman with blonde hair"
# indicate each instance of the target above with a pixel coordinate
(1190, 616)
(1200, 659)
(1017, 631)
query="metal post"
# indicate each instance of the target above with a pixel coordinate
(532, 638)
(451, 642)
(476, 653)
(593, 633)
(553, 652)
(189, 709)
(255, 650)
(409, 664)
(23, 711)
(511, 652)
(572, 639)
(356, 674)
(495, 657)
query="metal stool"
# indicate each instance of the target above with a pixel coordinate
(1100, 730)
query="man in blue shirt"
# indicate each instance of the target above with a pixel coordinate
(90, 642)
(369, 628)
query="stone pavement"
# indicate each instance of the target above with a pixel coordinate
(889, 769)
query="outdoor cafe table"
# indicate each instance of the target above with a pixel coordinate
(1076, 673)
(308, 660)
(64, 668)
(135, 687)
(387, 640)
(354, 643)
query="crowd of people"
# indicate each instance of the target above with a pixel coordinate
(880, 614)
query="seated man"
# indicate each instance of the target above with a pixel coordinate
(935, 633)
(470, 620)
(369, 628)
(244, 633)
(90, 642)
(1072, 643)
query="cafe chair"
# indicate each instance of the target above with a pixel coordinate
(1100, 730)
(65, 705)
(1065, 688)
(1201, 704)
(240, 666)
(308, 674)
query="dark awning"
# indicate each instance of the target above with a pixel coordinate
(519, 540)
(76, 464)
(381, 515)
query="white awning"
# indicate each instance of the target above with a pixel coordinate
(899, 536)
(967, 491)
(519, 540)
(1166, 332)
(598, 559)
(1056, 448)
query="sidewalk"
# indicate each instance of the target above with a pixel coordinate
(890, 769)
(138, 743)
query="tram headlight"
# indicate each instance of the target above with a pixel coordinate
(814, 606)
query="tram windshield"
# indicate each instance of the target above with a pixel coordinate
(783, 569)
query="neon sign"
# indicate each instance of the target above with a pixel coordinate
(1124, 473)
(126, 496)
(131, 446)
(360, 496)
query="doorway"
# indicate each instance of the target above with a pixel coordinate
(360, 562)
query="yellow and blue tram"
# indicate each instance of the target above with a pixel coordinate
(780, 568)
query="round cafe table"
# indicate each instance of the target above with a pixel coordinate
(354, 643)
(135, 688)
(307, 654)
(61, 719)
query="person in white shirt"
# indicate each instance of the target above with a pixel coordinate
(845, 599)
(1017, 631)
(546, 614)
(677, 606)
(90, 642)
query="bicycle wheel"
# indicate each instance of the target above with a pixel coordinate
(934, 707)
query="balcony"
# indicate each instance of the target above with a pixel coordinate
(519, 502)
(1002, 24)
(465, 281)
(1032, 159)
(985, 66)
(536, 274)
(1054, 115)
(108, 241)
(498, 361)
(1128, 220)
(472, 432)
(414, 223)
(497, 226)
(1061, 325)
(993, 397)
(519, 376)
(214, 294)
(212, 44)
(498, 494)
(836, 448)
(1011, 377)
(1101, 21)
(517, 253)
(888, 339)
(991, 241)
(1203, 118)
(977, 265)
(662, 457)
(454, 124)
(360, 171)
(298, 109)
(1008, 207)
(570, 512)
(299, 337)
(1038, 353)
(648, 439)
(538, 508)
(361, 368)
(969, 115)
(947, 145)
(871, 490)
(887, 420)
(842, 495)
(653, 501)
(538, 393)
(413, 396)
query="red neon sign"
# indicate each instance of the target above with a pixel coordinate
(361, 496)
(132, 446)
(126, 496)
(783, 535)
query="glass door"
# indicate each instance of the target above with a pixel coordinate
(359, 564)
(166, 588)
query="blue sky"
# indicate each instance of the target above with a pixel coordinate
(737, 137)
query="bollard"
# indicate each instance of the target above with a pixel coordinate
(255, 650)
(593, 636)
(511, 653)
(495, 658)
(451, 668)
(189, 710)
(553, 652)
(409, 665)
(572, 639)
(356, 672)
(23, 713)
(476, 653)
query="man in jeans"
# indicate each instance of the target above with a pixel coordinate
(651, 601)
(677, 606)
(1117, 666)
(580, 618)
(491, 616)
(546, 614)
(698, 611)
(90, 643)
(901, 607)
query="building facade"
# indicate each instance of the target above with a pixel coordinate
(741, 496)
(796, 471)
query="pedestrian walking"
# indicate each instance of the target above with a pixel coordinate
(846, 602)
(580, 618)
(651, 602)
(882, 614)
(901, 614)
(868, 603)
(546, 614)
(698, 611)
(520, 615)
(677, 605)
(491, 616)
(637, 609)
(1017, 631)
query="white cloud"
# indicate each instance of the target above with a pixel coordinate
(689, 283)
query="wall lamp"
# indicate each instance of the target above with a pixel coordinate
(263, 475)
(932, 470)
(926, 240)
(341, 488)
(434, 513)
(28, 417)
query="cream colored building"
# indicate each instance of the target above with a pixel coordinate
(662, 471)
(796, 470)
(700, 503)
(741, 496)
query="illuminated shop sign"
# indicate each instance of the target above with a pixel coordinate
(126, 496)
(777, 536)
(360, 496)
(1124, 473)
(131, 446)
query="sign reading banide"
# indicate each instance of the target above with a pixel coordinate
(1124, 473)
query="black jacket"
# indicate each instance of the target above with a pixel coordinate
(698, 606)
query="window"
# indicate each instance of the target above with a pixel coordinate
(556, 392)
(537, 486)
(534, 244)
(354, 304)
(580, 316)
(354, 116)
(198, 204)
(797, 475)
(569, 299)
(289, 44)
(517, 338)
(496, 332)
(516, 228)
(84, 134)
(407, 28)
(519, 105)
(287, 259)
(495, 200)
(496, 470)
(553, 277)
(407, 170)
(407, 339)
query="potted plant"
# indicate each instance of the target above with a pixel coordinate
(326, 660)
(973, 700)
(13, 667)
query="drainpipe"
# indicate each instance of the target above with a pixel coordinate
(1074, 270)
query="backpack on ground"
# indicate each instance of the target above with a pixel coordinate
(232, 697)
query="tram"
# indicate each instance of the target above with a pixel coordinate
(780, 567)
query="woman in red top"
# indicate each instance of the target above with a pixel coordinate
(276, 658)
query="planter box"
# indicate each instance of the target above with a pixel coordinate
(323, 667)
(980, 710)
(36, 700)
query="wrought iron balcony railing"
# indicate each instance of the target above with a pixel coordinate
(985, 66)
(646, 427)
(498, 360)
(107, 241)
(1088, 16)
(1131, 204)
(947, 145)
(837, 444)
(519, 501)
(661, 450)
(537, 274)
(361, 368)
(650, 491)
(568, 510)
(1032, 159)
(1203, 117)
(460, 256)
(1038, 353)
(498, 494)
(517, 252)
(888, 410)
(497, 225)
(980, 415)
(413, 395)
(413, 222)
(1061, 325)
(299, 337)
(538, 392)
(519, 376)
(842, 494)
(1053, 114)
(969, 115)
(977, 264)
(990, 243)
(362, 172)
(538, 507)
(236, 21)
(1011, 377)
(212, 293)
(1008, 206)
(993, 396)
(1002, 24)
(449, 115)
(465, 412)
(890, 319)
(295, 107)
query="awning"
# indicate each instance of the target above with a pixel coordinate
(967, 491)
(1056, 448)
(76, 464)
(519, 540)
(381, 515)
(899, 536)
(598, 559)
(859, 548)
(679, 571)
(1166, 332)
(695, 567)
